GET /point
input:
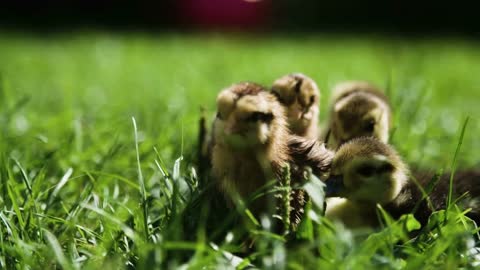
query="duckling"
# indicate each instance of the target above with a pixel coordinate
(365, 172)
(252, 145)
(359, 109)
(300, 95)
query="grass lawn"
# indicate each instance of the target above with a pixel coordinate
(71, 192)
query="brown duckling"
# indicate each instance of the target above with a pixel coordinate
(300, 96)
(358, 109)
(252, 145)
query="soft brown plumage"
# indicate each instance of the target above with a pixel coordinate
(358, 109)
(252, 145)
(300, 96)
(466, 182)
(368, 171)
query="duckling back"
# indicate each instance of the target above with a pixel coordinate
(465, 186)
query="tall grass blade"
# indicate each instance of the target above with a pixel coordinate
(57, 250)
(141, 182)
(25, 178)
(454, 162)
(62, 182)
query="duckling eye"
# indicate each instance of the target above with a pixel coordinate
(370, 126)
(312, 99)
(219, 116)
(260, 116)
(386, 168)
(366, 171)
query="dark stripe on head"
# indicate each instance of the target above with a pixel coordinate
(247, 89)
(364, 87)
(298, 84)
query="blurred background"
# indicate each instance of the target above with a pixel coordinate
(395, 16)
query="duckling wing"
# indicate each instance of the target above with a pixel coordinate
(311, 153)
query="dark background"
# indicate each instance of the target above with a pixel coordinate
(401, 17)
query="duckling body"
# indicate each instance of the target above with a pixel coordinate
(252, 145)
(358, 109)
(465, 183)
(371, 173)
(300, 96)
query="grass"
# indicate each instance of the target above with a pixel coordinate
(82, 186)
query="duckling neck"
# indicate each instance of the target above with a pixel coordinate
(353, 214)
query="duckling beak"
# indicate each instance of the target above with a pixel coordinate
(334, 186)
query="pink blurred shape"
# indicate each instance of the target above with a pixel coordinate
(224, 13)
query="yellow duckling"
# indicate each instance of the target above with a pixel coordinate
(366, 172)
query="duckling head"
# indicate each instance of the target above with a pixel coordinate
(360, 114)
(366, 170)
(300, 95)
(247, 116)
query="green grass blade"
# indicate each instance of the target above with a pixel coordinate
(143, 192)
(454, 162)
(57, 250)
